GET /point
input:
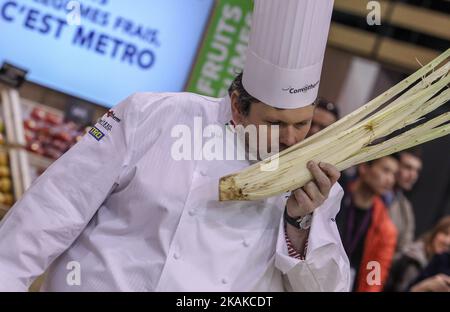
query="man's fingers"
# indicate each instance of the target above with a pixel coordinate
(323, 182)
(331, 171)
(304, 201)
(314, 194)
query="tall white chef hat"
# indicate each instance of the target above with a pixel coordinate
(286, 50)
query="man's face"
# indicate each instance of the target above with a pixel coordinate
(380, 175)
(321, 119)
(409, 169)
(293, 124)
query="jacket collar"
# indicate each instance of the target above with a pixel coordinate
(224, 113)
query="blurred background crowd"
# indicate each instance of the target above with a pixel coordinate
(377, 222)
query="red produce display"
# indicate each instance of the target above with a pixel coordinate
(47, 134)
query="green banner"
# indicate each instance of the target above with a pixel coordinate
(222, 55)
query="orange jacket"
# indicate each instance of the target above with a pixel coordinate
(379, 246)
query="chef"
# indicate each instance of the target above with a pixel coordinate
(118, 213)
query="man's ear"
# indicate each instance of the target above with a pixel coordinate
(238, 117)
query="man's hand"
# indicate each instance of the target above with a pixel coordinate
(308, 198)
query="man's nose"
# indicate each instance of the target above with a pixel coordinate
(287, 136)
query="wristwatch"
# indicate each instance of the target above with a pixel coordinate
(301, 223)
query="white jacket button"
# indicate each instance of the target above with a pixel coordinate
(224, 281)
(176, 256)
(192, 213)
(246, 243)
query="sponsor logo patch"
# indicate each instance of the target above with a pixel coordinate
(106, 125)
(96, 133)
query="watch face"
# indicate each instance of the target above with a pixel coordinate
(305, 223)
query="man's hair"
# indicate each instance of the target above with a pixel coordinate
(327, 106)
(414, 151)
(371, 162)
(245, 100)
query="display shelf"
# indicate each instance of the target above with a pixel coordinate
(10, 182)
(35, 135)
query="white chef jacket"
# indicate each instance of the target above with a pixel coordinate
(135, 219)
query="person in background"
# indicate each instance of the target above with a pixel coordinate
(416, 258)
(435, 277)
(326, 113)
(400, 208)
(366, 229)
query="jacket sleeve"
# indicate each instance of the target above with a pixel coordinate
(386, 253)
(326, 266)
(62, 201)
(410, 225)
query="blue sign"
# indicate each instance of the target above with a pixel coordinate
(103, 50)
